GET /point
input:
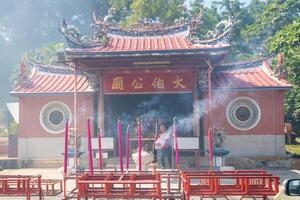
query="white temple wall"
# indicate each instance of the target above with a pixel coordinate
(254, 145)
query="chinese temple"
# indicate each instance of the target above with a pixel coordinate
(153, 72)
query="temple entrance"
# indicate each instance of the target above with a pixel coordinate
(154, 97)
(151, 109)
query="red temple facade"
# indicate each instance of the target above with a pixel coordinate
(155, 75)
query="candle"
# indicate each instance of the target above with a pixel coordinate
(210, 148)
(90, 153)
(127, 148)
(100, 149)
(139, 145)
(175, 141)
(120, 145)
(66, 158)
(66, 147)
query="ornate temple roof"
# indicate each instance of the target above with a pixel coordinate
(255, 74)
(52, 80)
(146, 46)
(144, 40)
(251, 78)
(155, 40)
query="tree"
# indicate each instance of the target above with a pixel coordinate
(28, 24)
(47, 54)
(128, 12)
(210, 17)
(275, 16)
(277, 28)
(102, 7)
(287, 41)
(164, 10)
(242, 17)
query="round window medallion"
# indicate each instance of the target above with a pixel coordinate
(53, 117)
(243, 113)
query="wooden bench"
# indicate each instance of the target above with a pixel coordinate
(110, 185)
(243, 183)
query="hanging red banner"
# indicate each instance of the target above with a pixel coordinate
(146, 81)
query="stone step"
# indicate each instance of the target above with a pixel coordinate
(186, 162)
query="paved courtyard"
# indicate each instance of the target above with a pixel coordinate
(51, 173)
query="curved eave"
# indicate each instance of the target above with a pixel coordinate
(73, 43)
(242, 65)
(212, 41)
(74, 53)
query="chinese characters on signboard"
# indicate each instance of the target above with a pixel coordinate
(151, 82)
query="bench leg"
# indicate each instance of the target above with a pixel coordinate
(28, 196)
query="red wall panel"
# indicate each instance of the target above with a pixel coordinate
(271, 103)
(31, 106)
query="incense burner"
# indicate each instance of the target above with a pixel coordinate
(147, 158)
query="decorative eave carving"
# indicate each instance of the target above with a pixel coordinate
(75, 39)
(279, 71)
(243, 64)
(104, 28)
(149, 29)
(93, 80)
(194, 25)
(145, 27)
(221, 34)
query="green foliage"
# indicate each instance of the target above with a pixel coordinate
(120, 9)
(210, 17)
(276, 27)
(5, 128)
(287, 41)
(277, 14)
(271, 24)
(286, 38)
(164, 10)
(28, 24)
(128, 12)
(46, 55)
(102, 7)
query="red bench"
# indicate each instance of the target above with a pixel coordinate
(145, 186)
(22, 185)
(51, 187)
(14, 185)
(229, 183)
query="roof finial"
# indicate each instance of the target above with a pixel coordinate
(279, 71)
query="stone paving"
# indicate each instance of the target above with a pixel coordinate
(56, 174)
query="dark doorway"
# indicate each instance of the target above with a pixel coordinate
(152, 109)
